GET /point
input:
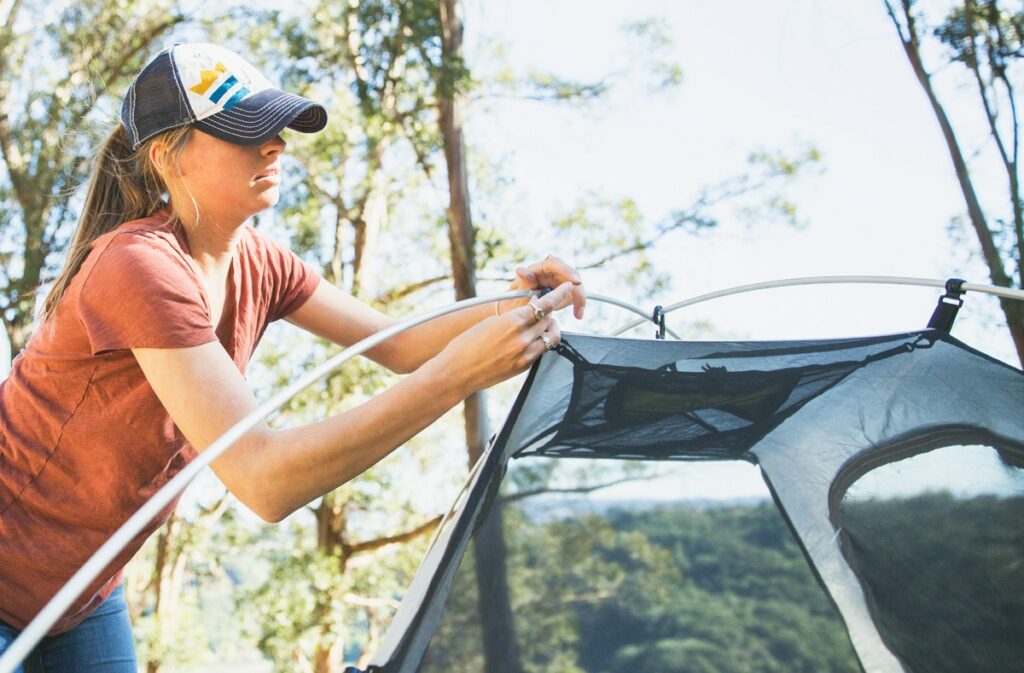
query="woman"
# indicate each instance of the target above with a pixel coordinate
(139, 358)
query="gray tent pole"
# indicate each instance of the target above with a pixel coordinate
(829, 280)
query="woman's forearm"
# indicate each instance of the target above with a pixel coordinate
(416, 346)
(293, 466)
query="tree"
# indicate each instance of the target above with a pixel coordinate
(47, 115)
(986, 41)
(499, 651)
(156, 580)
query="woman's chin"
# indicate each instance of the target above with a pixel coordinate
(268, 198)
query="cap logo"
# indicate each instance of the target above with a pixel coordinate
(208, 77)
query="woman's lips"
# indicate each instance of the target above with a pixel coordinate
(271, 174)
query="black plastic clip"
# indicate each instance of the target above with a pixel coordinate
(949, 303)
(659, 320)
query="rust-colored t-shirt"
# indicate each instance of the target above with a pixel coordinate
(84, 441)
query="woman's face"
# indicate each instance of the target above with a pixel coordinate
(229, 183)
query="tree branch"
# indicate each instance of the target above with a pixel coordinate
(407, 536)
(364, 602)
(109, 73)
(402, 291)
(352, 47)
(12, 14)
(975, 68)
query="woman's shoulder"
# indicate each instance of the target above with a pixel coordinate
(160, 229)
(134, 258)
(156, 240)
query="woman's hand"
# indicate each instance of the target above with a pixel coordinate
(501, 347)
(551, 272)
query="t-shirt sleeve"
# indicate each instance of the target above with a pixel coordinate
(294, 280)
(140, 293)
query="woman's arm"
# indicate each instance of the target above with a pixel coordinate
(274, 472)
(336, 316)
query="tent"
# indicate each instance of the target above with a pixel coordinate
(847, 433)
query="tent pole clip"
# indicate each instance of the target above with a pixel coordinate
(949, 303)
(659, 319)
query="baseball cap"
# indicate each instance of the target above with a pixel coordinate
(216, 90)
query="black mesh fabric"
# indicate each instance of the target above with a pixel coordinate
(712, 403)
(153, 103)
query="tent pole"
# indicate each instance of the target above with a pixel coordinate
(1009, 293)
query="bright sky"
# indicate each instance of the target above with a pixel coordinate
(757, 75)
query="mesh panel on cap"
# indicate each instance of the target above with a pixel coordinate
(159, 104)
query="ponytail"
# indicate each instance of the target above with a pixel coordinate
(124, 186)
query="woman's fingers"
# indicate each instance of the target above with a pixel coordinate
(558, 298)
(527, 277)
(554, 268)
(554, 334)
(579, 301)
(550, 272)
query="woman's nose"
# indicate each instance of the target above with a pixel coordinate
(273, 146)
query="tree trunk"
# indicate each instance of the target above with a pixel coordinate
(331, 524)
(168, 571)
(373, 218)
(990, 252)
(496, 617)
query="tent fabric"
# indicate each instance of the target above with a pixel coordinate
(815, 416)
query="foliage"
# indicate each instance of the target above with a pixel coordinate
(607, 588)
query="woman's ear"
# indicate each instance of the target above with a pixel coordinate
(158, 158)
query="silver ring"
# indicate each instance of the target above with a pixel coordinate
(549, 345)
(538, 313)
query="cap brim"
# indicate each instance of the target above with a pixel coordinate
(262, 116)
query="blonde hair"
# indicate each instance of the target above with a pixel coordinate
(125, 185)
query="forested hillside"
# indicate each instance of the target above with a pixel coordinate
(677, 589)
(946, 576)
(659, 590)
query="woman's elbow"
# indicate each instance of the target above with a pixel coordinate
(265, 508)
(249, 472)
(272, 515)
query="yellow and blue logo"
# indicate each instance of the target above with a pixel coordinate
(208, 77)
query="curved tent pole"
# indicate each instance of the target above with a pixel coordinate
(1006, 292)
(78, 582)
(646, 317)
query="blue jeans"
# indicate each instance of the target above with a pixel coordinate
(102, 643)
